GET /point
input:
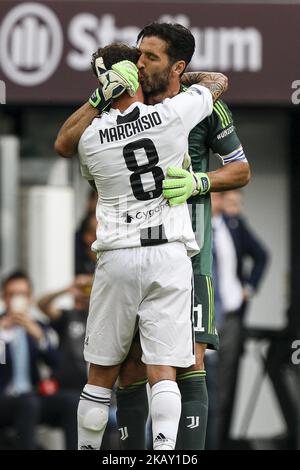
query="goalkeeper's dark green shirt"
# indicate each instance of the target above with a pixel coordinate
(216, 133)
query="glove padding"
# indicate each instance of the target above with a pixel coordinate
(182, 184)
(97, 100)
(122, 76)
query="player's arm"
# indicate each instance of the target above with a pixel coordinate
(182, 184)
(196, 102)
(217, 83)
(69, 134)
(46, 304)
(123, 76)
(225, 144)
(232, 176)
(67, 140)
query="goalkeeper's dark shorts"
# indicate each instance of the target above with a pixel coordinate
(204, 318)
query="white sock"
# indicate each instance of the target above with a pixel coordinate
(165, 409)
(92, 416)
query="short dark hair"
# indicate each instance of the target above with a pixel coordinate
(181, 42)
(114, 53)
(14, 276)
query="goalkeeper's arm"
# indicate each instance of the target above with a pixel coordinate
(182, 184)
(216, 82)
(123, 76)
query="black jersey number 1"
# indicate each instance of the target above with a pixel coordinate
(138, 170)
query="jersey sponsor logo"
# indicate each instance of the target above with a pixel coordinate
(226, 132)
(124, 433)
(195, 422)
(123, 131)
(144, 215)
(151, 212)
(128, 218)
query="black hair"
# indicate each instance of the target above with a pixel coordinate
(181, 42)
(16, 275)
(114, 53)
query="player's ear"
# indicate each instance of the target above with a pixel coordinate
(178, 67)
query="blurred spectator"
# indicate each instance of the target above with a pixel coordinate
(232, 203)
(85, 258)
(70, 326)
(233, 244)
(246, 244)
(25, 400)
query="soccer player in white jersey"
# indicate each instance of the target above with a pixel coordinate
(143, 277)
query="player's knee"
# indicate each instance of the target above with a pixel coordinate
(94, 419)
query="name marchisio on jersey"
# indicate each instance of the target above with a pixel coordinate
(123, 131)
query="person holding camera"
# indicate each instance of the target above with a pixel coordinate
(25, 399)
(70, 325)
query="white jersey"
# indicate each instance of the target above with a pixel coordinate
(127, 155)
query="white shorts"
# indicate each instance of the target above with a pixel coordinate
(145, 287)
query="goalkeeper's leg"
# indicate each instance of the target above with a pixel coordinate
(132, 400)
(193, 421)
(192, 383)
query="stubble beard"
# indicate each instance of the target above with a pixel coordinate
(157, 84)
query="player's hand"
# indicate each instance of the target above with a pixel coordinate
(101, 98)
(182, 184)
(122, 76)
(98, 100)
(128, 75)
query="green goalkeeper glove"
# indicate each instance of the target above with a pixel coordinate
(183, 184)
(97, 100)
(128, 76)
(122, 76)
